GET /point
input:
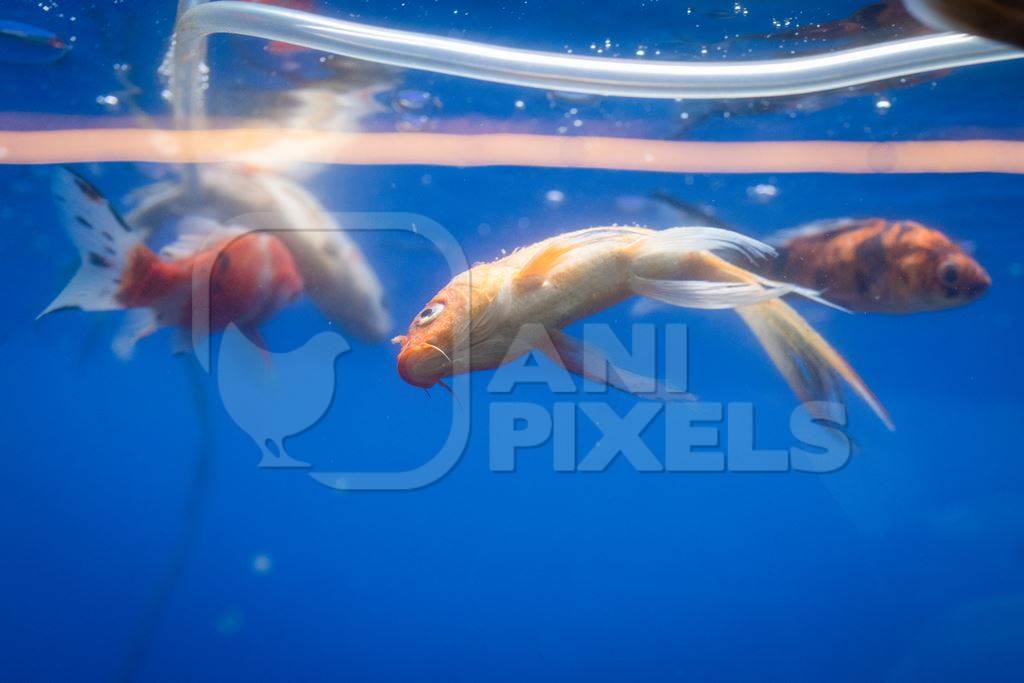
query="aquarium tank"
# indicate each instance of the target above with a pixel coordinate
(454, 340)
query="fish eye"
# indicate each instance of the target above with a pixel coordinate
(429, 313)
(949, 274)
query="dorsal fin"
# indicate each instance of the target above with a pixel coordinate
(818, 228)
(536, 270)
(689, 214)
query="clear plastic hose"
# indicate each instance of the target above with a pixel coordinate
(551, 71)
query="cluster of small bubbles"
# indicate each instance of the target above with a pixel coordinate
(554, 197)
(762, 193)
(411, 123)
(109, 102)
(737, 8)
(415, 100)
(601, 48)
(166, 68)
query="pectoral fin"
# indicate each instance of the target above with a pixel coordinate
(587, 361)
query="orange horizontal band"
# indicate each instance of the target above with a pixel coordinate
(257, 145)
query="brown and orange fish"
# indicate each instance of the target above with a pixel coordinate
(876, 265)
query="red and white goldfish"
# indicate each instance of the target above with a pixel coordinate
(338, 278)
(548, 285)
(251, 276)
(877, 265)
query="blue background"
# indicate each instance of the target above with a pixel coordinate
(904, 565)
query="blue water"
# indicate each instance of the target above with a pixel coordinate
(904, 565)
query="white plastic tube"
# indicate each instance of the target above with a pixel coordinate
(552, 71)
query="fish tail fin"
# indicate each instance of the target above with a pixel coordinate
(677, 242)
(808, 363)
(685, 267)
(701, 279)
(105, 243)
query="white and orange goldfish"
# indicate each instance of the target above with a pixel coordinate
(251, 276)
(548, 285)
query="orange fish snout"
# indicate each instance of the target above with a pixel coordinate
(964, 278)
(422, 365)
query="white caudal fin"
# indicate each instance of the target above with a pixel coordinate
(701, 294)
(684, 246)
(680, 241)
(103, 240)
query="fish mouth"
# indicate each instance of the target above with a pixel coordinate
(980, 286)
(422, 365)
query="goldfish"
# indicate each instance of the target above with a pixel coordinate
(878, 265)
(868, 265)
(498, 311)
(251, 276)
(338, 278)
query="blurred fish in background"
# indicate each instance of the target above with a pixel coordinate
(338, 278)
(22, 43)
(867, 264)
(887, 20)
(1001, 20)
